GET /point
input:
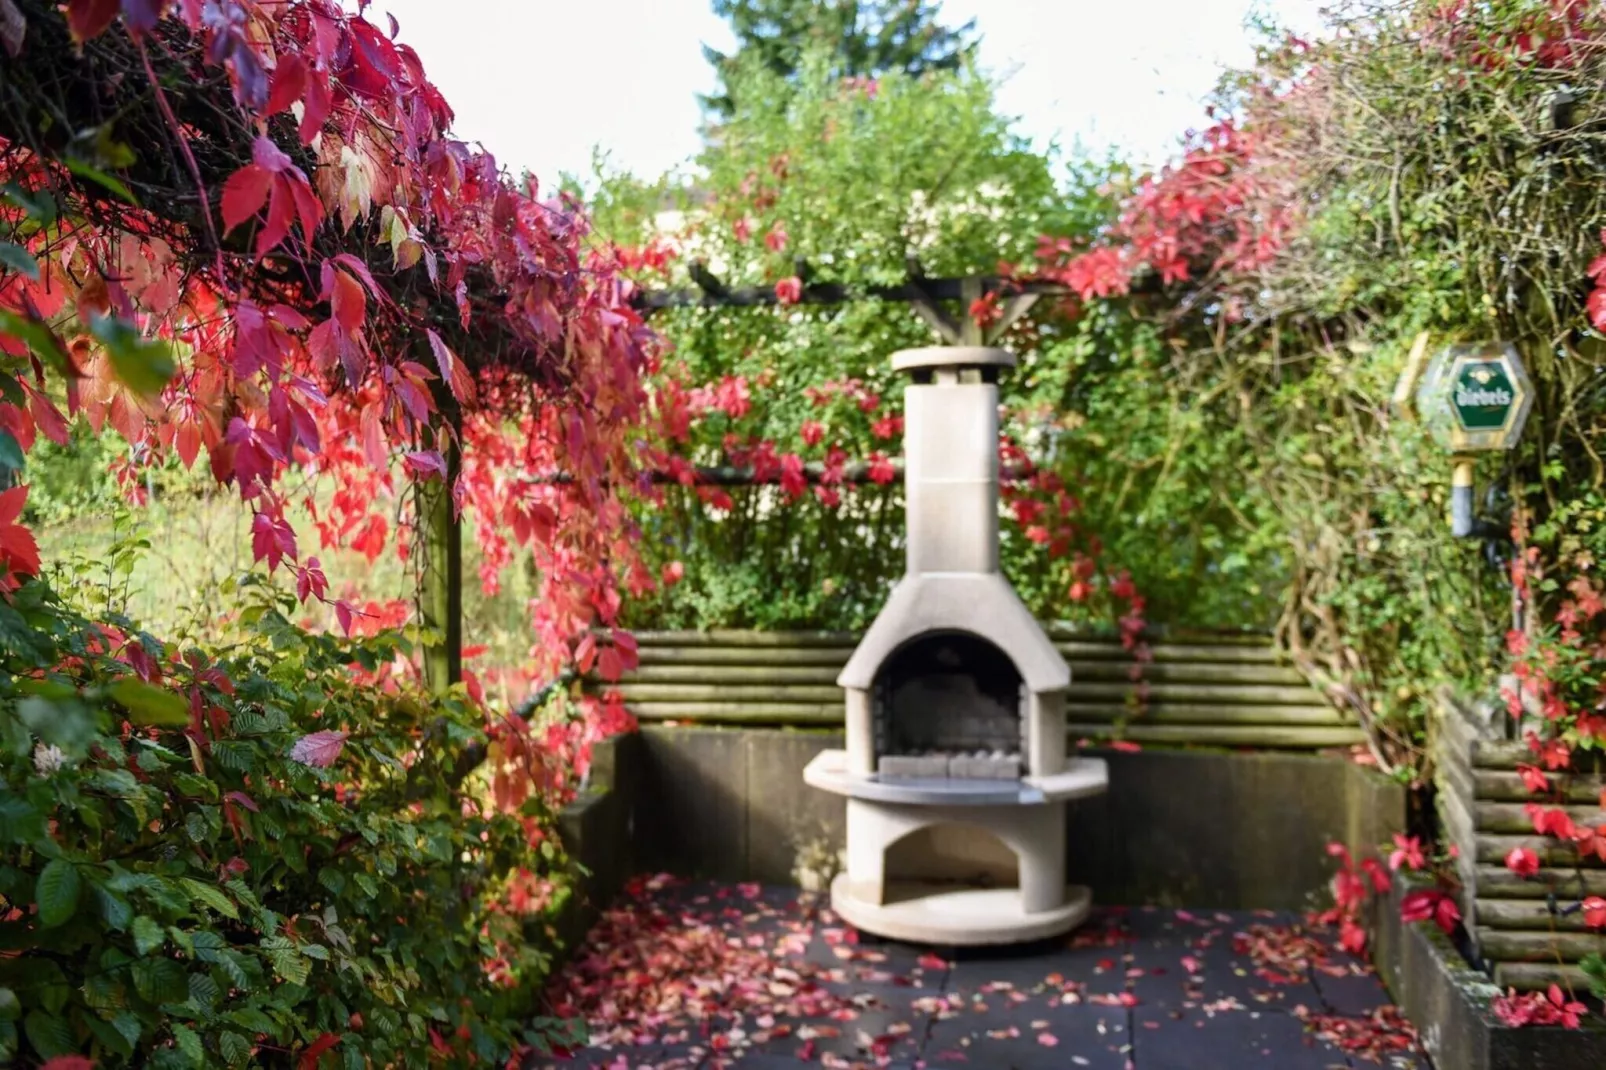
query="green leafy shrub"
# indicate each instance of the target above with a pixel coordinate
(252, 855)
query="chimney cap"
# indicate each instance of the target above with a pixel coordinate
(952, 357)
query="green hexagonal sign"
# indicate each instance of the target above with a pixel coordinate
(1476, 397)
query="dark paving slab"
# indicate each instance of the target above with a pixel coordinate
(1250, 963)
(884, 1025)
(1140, 989)
(999, 1029)
(1229, 1040)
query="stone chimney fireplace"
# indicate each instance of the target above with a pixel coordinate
(955, 769)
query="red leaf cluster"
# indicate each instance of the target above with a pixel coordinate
(1433, 904)
(328, 368)
(1550, 1007)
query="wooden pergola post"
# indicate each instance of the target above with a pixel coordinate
(441, 576)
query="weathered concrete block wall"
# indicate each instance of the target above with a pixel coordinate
(1201, 828)
(596, 832)
(1451, 1002)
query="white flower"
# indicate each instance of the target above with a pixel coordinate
(48, 759)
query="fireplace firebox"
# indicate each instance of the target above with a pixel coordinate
(948, 704)
(955, 702)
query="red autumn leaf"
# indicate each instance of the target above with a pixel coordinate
(343, 614)
(318, 749)
(425, 464)
(272, 539)
(360, 269)
(1551, 822)
(1431, 903)
(89, 18)
(609, 664)
(244, 194)
(1407, 853)
(317, 99)
(244, 800)
(46, 416)
(143, 15)
(309, 1058)
(347, 300)
(310, 581)
(453, 371)
(1596, 305)
(270, 157)
(18, 551)
(776, 239)
(1595, 912)
(289, 83)
(1534, 779)
(1523, 862)
(281, 213)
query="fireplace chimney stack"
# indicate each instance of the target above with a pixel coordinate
(951, 457)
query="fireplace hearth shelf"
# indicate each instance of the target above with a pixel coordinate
(955, 770)
(1080, 779)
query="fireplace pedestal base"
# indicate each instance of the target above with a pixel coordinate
(957, 862)
(929, 912)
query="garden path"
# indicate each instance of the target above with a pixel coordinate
(702, 976)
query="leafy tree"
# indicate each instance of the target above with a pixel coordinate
(864, 38)
(855, 181)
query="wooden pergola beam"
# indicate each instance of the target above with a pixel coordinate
(711, 293)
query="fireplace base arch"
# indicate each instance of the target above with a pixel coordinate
(914, 905)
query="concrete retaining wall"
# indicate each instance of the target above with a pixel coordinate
(1196, 828)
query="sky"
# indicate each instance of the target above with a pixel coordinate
(541, 82)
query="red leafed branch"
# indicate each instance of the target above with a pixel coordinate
(376, 292)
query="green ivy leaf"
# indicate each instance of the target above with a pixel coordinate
(38, 337)
(114, 909)
(161, 981)
(234, 1048)
(287, 961)
(83, 169)
(212, 897)
(232, 965)
(204, 992)
(10, 1007)
(1594, 967)
(189, 1042)
(105, 991)
(148, 935)
(19, 259)
(148, 705)
(10, 451)
(111, 1037)
(19, 821)
(56, 892)
(49, 1035)
(128, 1025)
(38, 207)
(144, 365)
